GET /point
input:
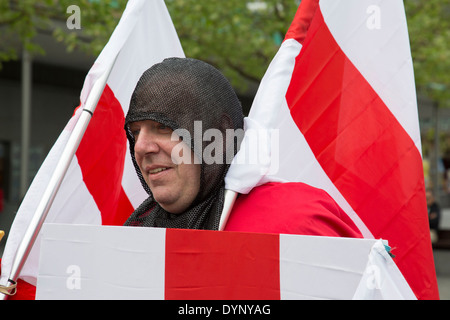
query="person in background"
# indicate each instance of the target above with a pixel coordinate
(434, 215)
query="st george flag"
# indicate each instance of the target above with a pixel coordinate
(100, 186)
(339, 97)
(184, 265)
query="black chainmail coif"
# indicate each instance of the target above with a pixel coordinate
(177, 92)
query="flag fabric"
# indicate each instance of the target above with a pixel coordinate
(115, 262)
(101, 186)
(338, 109)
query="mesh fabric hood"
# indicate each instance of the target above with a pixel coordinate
(178, 92)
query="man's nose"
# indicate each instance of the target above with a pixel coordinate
(146, 142)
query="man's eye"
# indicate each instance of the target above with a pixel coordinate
(134, 132)
(164, 128)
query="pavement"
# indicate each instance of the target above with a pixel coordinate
(442, 264)
(442, 260)
(441, 256)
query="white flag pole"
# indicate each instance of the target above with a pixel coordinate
(55, 182)
(228, 202)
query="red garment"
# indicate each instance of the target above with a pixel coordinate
(290, 208)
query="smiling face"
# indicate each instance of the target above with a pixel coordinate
(177, 92)
(173, 183)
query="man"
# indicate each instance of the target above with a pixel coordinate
(176, 104)
(179, 96)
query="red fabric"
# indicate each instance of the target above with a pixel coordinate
(302, 20)
(195, 260)
(102, 173)
(290, 208)
(350, 130)
(25, 291)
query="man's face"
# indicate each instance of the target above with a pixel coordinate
(174, 185)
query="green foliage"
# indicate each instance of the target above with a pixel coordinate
(429, 32)
(21, 20)
(230, 34)
(98, 20)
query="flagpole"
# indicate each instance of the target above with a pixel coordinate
(230, 197)
(56, 179)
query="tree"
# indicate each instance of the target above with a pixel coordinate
(429, 30)
(428, 24)
(22, 20)
(238, 37)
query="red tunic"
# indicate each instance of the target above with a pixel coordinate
(290, 208)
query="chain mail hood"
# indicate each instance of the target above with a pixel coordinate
(178, 93)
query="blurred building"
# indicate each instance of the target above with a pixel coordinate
(52, 84)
